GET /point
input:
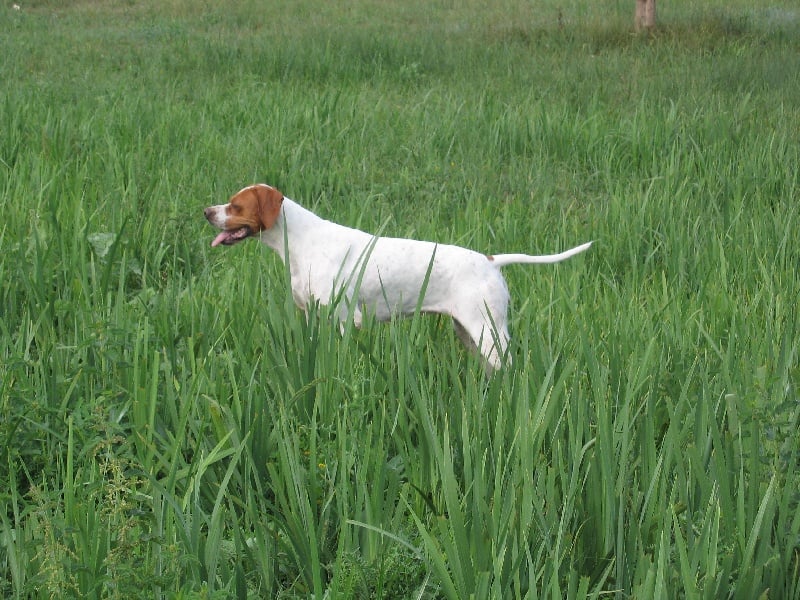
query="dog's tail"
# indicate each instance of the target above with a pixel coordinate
(501, 260)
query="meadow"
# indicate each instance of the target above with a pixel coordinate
(171, 426)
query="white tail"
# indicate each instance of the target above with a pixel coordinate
(501, 260)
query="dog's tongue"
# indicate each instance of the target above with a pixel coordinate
(232, 236)
(221, 238)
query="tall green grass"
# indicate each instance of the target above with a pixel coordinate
(172, 427)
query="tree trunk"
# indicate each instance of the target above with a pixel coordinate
(645, 18)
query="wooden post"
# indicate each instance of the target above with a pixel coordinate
(645, 18)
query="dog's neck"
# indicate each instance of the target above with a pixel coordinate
(294, 223)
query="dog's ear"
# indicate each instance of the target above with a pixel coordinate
(269, 205)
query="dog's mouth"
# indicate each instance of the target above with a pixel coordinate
(232, 236)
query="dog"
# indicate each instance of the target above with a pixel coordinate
(380, 275)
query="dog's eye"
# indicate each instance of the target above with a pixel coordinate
(234, 209)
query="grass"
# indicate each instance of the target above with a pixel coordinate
(173, 428)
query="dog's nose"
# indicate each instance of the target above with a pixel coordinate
(207, 212)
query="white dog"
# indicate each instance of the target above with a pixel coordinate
(384, 276)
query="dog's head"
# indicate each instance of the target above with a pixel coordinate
(250, 211)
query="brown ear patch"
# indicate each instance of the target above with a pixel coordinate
(269, 201)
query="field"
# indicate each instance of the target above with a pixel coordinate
(171, 426)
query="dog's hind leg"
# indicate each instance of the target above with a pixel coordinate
(487, 336)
